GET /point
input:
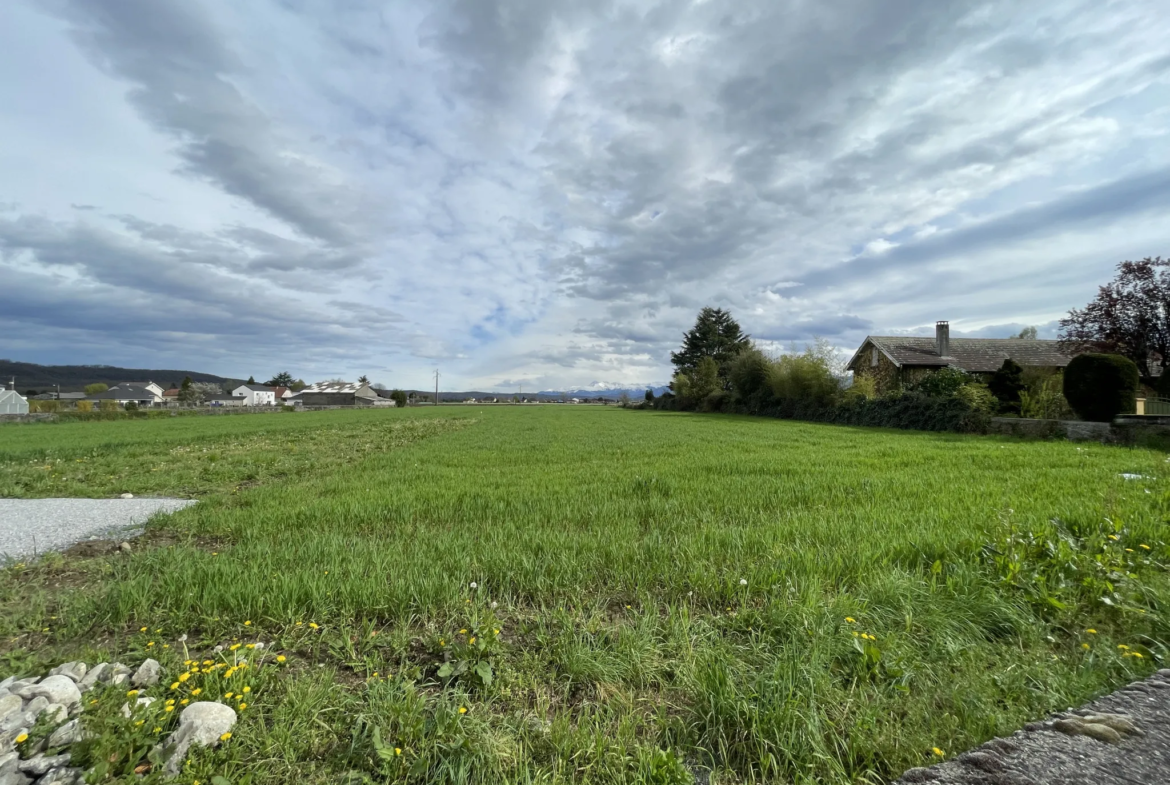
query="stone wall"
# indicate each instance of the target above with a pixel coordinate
(1125, 429)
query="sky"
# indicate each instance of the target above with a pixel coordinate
(543, 193)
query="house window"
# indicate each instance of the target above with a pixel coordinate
(873, 360)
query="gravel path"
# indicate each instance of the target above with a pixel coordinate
(29, 526)
(1121, 739)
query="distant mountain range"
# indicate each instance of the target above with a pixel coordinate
(73, 378)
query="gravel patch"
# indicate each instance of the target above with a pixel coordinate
(1121, 739)
(31, 526)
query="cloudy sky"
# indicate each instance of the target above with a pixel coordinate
(545, 192)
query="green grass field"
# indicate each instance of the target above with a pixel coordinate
(763, 600)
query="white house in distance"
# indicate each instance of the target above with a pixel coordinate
(12, 402)
(256, 394)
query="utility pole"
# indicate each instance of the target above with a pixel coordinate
(436, 387)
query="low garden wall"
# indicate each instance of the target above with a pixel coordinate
(1125, 429)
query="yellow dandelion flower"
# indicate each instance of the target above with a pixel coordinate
(300, 623)
(234, 646)
(1122, 646)
(169, 708)
(1137, 654)
(197, 690)
(139, 723)
(142, 629)
(1144, 547)
(397, 750)
(243, 706)
(1084, 646)
(248, 624)
(247, 690)
(187, 662)
(1114, 537)
(22, 738)
(1129, 550)
(1091, 631)
(149, 644)
(228, 695)
(937, 751)
(313, 625)
(441, 643)
(472, 640)
(156, 729)
(850, 619)
(131, 693)
(171, 701)
(280, 658)
(463, 632)
(175, 686)
(225, 736)
(208, 662)
(184, 676)
(497, 632)
(462, 709)
(184, 702)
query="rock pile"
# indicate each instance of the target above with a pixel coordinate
(56, 698)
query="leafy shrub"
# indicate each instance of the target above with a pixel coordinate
(942, 383)
(1044, 399)
(748, 375)
(131, 406)
(44, 406)
(399, 398)
(863, 387)
(803, 381)
(85, 406)
(909, 410)
(108, 406)
(1006, 384)
(977, 397)
(717, 401)
(1101, 386)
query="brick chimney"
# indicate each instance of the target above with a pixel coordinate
(942, 338)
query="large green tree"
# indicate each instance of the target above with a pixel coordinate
(282, 379)
(715, 335)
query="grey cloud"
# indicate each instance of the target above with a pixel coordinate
(182, 69)
(83, 206)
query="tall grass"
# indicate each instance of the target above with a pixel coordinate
(767, 600)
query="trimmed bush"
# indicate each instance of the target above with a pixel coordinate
(1099, 387)
(1006, 384)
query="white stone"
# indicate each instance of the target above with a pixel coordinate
(147, 674)
(92, 676)
(69, 733)
(74, 670)
(127, 713)
(127, 496)
(8, 762)
(39, 765)
(63, 776)
(201, 724)
(56, 713)
(9, 705)
(4, 685)
(116, 674)
(58, 689)
(14, 777)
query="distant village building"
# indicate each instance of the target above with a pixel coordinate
(337, 394)
(893, 360)
(256, 394)
(141, 394)
(12, 402)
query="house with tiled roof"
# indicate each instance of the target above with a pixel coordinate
(894, 360)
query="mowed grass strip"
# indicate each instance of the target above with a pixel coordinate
(770, 601)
